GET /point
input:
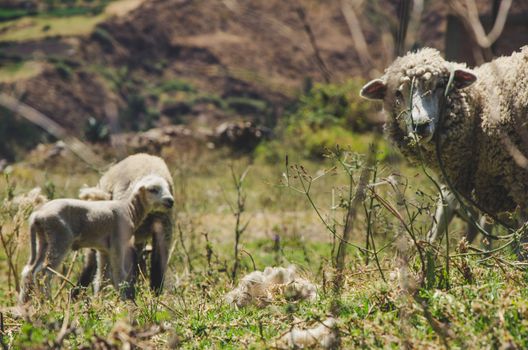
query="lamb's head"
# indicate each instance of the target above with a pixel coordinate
(412, 89)
(155, 192)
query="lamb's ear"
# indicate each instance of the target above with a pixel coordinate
(374, 90)
(143, 191)
(464, 78)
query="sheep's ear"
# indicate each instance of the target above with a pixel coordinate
(464, 78)
(374, 90)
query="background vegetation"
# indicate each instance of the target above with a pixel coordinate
(322, 189)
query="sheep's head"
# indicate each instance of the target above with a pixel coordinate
(156, 192)
(412, 89)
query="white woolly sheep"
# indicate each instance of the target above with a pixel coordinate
(62, 225)
(117, 183)
(482, 137)
(261, 288)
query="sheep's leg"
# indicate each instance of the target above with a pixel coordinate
(141, 266)
(443, 215)
(161, 244)
(473, 232)
(522, 248)
(142, 234)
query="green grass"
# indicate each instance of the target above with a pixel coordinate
(8, 13)
(488, 312)
(17, 71)
(64, 21)
(33, 28)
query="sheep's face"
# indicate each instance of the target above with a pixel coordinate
(414, 103)
(415, 108)
(156, 192)
(412, 90)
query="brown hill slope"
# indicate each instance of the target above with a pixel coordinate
(172, 61)
(261, 52)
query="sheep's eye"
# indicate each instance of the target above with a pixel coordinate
(441, 85)
(153, 190)
(399, 96)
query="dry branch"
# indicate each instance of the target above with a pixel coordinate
(78, 147)
(470, 17)
(360, 44)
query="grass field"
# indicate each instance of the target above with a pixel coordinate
(477, 301)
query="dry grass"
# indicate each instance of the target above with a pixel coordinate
(486, 311)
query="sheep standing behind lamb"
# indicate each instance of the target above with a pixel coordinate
(483, 134)
(62, 225)
(117, 183)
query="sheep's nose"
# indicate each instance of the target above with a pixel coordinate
(168, 202)
(422, 129)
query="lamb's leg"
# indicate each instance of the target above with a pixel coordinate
(87, 274)
(60, 242)
(43, 247)
(102, 270)
(161, 244)
(443, 215)
(26, 280)
(26, 285)
(123, 260)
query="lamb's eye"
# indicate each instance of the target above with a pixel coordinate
(153, 190)
(399, 96)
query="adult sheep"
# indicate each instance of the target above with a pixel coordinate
(117, 183)
(481, 136)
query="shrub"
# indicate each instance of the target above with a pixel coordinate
(334, 104)
(64, 70)
(328, 115)
(96, 131)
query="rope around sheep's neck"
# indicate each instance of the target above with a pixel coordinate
(458, 195)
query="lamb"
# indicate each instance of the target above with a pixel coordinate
(117, 183)
(482, 136)
(62, 225)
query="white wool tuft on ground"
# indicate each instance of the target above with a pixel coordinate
(324, 335)
(262, 287)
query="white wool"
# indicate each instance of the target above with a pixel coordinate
(324, 336)
(262, 287)
(93, 194)
(33, 199)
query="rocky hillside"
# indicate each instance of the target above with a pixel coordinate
(140, 64)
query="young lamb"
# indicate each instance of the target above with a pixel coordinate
(62, 225)
(117, 183)
(482, 137)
